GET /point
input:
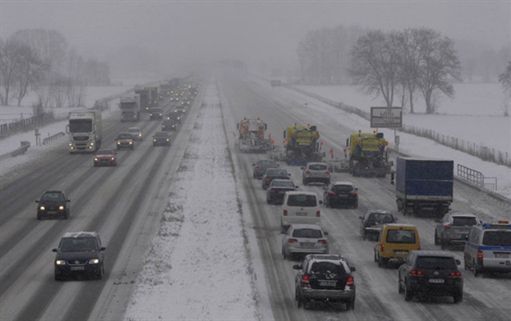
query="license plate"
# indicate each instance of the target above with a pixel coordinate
(436, 281)
(502, 255)
(77, 268)
(307, 244)
(301, 213)
(401, 253)
(329, 283)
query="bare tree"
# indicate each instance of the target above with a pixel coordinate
(438, 66)
(505, 80)
(375, 65)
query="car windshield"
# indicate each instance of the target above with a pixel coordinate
(342, 188)
(78, 244)
(401, 236)
(318, 167)
(53, 197)
(282, 183)
(463, 221)
(302, 200)
(307, 233)
(327, 268)
(161, 135)
(502, 238)
(436, 263)
(124, 136)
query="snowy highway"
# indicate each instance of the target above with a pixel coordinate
(377, 295)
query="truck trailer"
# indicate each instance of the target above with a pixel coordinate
(85, 131)
(130, 108)
(424, 186)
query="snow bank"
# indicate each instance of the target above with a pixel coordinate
(197, 268)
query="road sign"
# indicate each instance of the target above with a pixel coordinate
(386, 117)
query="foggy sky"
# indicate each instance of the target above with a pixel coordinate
(189, 31)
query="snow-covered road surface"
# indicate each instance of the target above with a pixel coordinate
(198, 268)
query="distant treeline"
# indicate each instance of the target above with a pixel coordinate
(42, 61)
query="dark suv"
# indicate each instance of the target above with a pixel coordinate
(51, 204)
(261, 166)
(341, 194)
(372, 221)
(274, 173)
(324, 278)
(79, 253)
(431, 273)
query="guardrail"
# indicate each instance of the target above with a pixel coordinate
(50, 139)
(25, 124)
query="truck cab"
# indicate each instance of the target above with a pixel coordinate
(85, 131)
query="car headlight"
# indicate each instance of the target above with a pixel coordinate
(139, 135)
(130, 143)
(92, 143)
(96, 159)
(94, 261)
(61, 207)
(118, 143)
(154, 140)
(113, 158)
(42, 208)
(168, 140)
(60, 262)
(70, 145)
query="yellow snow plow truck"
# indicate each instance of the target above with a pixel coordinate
(367, 154)
(301, 144)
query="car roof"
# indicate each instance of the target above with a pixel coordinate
(397, 225)
(433, 253)
(277, 180)
(306, 226)
(79, 234)
(343, 183)
(301, 193)
(316, 163)
(161, 134)
(462, 214)
(54, 191)
(378, 211)
(133, 128)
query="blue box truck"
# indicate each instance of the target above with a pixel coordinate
(424, 186)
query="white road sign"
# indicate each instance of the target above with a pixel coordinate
(386, 117)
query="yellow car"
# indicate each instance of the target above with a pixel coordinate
(395, 242)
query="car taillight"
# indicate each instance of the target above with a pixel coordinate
(455, 274)
(284, 212)
(416, 272)
(480, 257)
(447, 226)
(307, 172)
(306, 279)
(350, 281)
(292, 241)
(354, 193)
(318, 213)
(331, 193)
(324, 242)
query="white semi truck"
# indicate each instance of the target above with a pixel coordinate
(85, 131)
(130, 108)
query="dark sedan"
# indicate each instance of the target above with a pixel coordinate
(155, 113)
(261, 166)
(274, 173)
(161, 139)
(372, 221)
(53, 204)
(341, 194)
(277, 189)
(105, 157)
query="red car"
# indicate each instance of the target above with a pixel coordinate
(105, 157)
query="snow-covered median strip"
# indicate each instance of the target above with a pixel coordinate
(197, 268)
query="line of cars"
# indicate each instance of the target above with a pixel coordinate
(421, 273)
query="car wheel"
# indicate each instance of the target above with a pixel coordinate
(99, 276)
(475, 269)
(284, 255)
(375, 258)
(39, 217)
(381, 262)
(443, 243)
(304, 182)
(458, 297)
(408, 293)
(58, 277)
(355, 205)
(399, 287)
(351, 304)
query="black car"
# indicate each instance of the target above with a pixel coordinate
(79, 253)
(372, 221)
(161, 139)
(168, 125)
(277, 189)
(324, 278)
(274, 173)
(431, 273)
(53, 204)
(341, 194)
(155, 113)
(261, 166)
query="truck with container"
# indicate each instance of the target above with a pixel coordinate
(148, 97)
(130, 108)
(424, 186)
(367, 154)
(85, 131)
(301, 143)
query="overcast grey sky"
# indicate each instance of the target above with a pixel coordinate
(252, 30)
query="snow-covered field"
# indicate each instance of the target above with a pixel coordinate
(198, 268)
(474, 114)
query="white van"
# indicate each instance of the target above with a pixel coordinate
(300, 207)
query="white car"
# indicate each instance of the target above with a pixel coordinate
(300, 207)
(304, 239)
(316, 173)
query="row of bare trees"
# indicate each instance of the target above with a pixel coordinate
(402, 63)
(40, 60)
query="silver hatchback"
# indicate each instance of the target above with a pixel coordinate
(316, 173)
(454, 228)
(302, 239)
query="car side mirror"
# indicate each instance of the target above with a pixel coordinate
(102, 248)
(297, 267)
(54, 250)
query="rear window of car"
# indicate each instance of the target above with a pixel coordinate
(401, 236)
(380, 218)
(342, 188)
(497, 238)
(276, 172)
(307, 233)
(282, 183)
(463, 221)
(436, 263)
(302, 200)
(327, 268)
(318, 167)
(266, 163)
